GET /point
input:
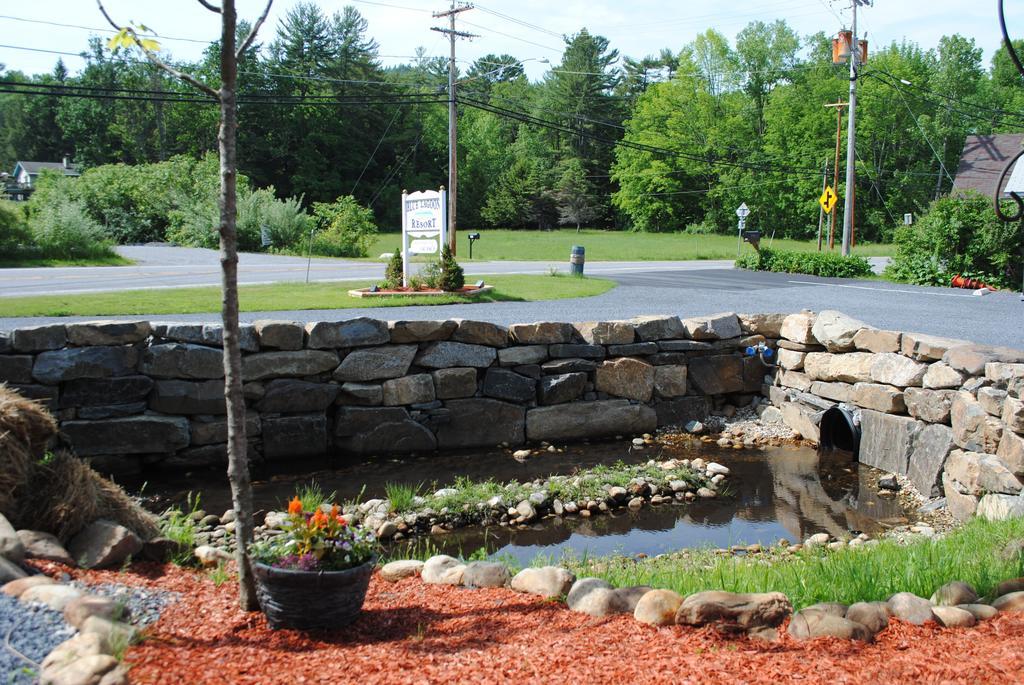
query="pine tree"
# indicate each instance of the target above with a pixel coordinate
(452, 277)
(393, 271)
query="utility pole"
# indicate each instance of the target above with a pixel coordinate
(851, 132)
(453, 126)
(835, 179)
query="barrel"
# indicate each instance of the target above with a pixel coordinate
(576, 260)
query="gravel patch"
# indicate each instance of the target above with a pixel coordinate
(143, 605)
(32, 629)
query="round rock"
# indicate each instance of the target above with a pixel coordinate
(953, 593)
(658, 607)
(443, 570)
(952, 617)
(1013, 601)
(909, 607)
(404, 568)
(873, 615)
(486, 574)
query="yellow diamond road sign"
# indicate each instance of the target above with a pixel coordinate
(828, 200)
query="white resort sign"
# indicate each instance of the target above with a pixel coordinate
(424, 225)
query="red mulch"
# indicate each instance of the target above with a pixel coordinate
(410, 632)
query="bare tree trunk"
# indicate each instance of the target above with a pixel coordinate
(238, 459)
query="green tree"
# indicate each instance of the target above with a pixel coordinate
(577, 202)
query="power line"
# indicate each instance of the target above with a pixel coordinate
(509, 35)
(514, 20)
(372, 154)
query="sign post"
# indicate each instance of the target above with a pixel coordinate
(424, 225)
(742, 212)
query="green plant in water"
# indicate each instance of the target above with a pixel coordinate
(182, 527)
(401, 495)
(312, 496)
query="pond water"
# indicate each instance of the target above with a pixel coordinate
(781, 492)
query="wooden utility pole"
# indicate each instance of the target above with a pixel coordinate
(453, 156)
(835, 180)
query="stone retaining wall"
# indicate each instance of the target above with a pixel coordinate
(945, 413)
(129, 394)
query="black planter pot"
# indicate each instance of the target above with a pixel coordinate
(309, 600)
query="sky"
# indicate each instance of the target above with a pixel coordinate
(531, 30)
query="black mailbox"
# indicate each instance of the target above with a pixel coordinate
(752, 237)
(472, 237)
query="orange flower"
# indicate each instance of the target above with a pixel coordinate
(335, 510)
(295, 506)
(319, 519)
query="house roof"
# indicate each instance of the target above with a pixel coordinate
(33, 168)
(983, 160)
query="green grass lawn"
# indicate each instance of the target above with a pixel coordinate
(499, 244)
(290, 296)
(113, 260)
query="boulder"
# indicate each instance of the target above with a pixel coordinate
(591, 596)
(1012, 602)
(510, 386)
(523, 354)
(873, 615)
(735, 612)
(875, 340)
(279, 335)
(808, 625)
(908, 607)
(794, 379)
(883, 398)
(995, 507)
(303, 435)
(837, 392)
(971, 359)
(16, 588)
(606, 332)
(768, 325)
(798, 328)
(953, 617)
(886, 440)
(188, 397)
(850, 367)
(59, 366)
(961, 505)
(717, 374)
(206, 334)
(1008, 586)
(454, 383)
(486, 574)
(38, 338)
(681, 410)
(1011, 451)
(90, 392)
(640, 349)
(9, 571)
(16, 368)
(357, 332)
(376, 363)
(836, 331)
(145, 434)
(926, 347)
(210, 429)
(658, 607)
(953, 593)
(415, 389)
(103, 544)
(931, 406)
(837, 609)
(942, 376)
(568, 366)
(791, 360)
(288, 395)
(442, 570)
(654, 328)
(481, 422)
(670, 381)
(929, 448)
(980, 612)
(713, 327)
(1002, 373)
(803, 421)
(446, 354)
(480, 333)
(674, 346)
(991, 400)
(561, 388)
(546, 581)
(895, 369)
(78, 610)
(267, 365)
(180, 360)
(981, 473)
(576, 351)
(582, 420)
(40, 545)
(88, 333)
(541, 333)
(394, 571)
(383, 430)
(626, 377)
(1013, 414)
(55, 597)
(420, 331)
(11, 546)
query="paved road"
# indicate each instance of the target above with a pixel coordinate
(682, 288)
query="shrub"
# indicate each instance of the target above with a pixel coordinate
(14, 234)
(64, 230)
(452, 277)
(827, 264)
(959, 235)
(393, 271)
(346, 228)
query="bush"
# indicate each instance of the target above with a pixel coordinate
(827, 264)
(959, 235)
(346, 228)
(64, 230)
(393, 271)
(14, 234)
(452, 277)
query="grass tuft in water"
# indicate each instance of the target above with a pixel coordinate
(181, 527)
(972, 554)
(401, 495)
(312, 496)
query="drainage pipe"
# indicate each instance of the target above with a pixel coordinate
(840, 430)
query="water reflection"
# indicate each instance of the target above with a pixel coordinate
(782, 492)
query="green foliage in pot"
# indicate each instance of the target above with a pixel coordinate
(320, 540)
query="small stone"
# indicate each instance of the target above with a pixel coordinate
(40, 545)
(547, 581)
(81, 608)
(638, 442)
(873, 615)
(211, 556)
(387, 530)
(1013, 601)
(706, 493)
(816, 539)
(981, 612)
(910, 608)
(521, 454)
(636, 503)
(443, 570)
(485, 574)
(84, 670)
(808, 625)
(16, 588)
(1008, 586)
(658, 607)
(952, 617)
(397, 570)
(954, 593)
(694, 427)
(55, 596)
(889, 483)
(714, 469)
(114, 632)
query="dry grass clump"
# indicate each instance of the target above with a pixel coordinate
(55, 492)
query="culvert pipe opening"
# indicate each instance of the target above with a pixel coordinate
(840, 431)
